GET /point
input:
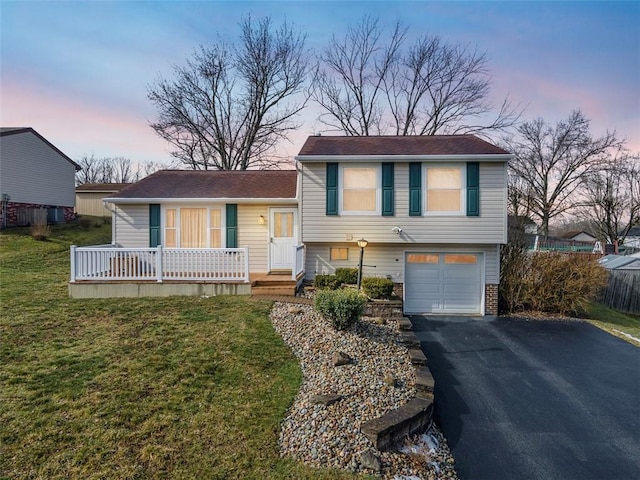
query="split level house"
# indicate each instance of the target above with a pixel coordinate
(431, 210)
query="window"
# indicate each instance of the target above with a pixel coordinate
(423, 258)
(360, 189)
(283, 224)
(198, 227)
(339, 253)
(444, 189)
(460, 258)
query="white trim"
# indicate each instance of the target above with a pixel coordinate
(137, 201)
(406, 158)
(378, 210)
(463, 190)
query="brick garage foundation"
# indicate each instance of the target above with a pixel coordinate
(491, 299)
(13, 218)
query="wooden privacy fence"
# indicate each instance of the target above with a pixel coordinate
(623, 291)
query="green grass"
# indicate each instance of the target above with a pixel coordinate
(614, 322)
(177, 387)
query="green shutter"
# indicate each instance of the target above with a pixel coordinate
(332, 189)
(415, 189)
(473, 189)
(387, 190)
(232, 225)
(154, 225)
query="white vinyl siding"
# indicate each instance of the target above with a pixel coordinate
(488, 228)
(388, 260)
(131, 226)
(33, 172)
(254, 235)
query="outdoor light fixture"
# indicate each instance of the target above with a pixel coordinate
(361, 243)
(261, 220)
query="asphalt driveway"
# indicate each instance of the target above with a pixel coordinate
(521, 399)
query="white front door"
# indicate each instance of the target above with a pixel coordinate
(283, 234)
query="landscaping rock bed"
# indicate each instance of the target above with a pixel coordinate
(327, 433)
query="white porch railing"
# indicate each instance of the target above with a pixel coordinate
(109, 262)
(298, 261)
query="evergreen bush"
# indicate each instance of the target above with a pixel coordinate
(326, 282)
(342, 308)
(347, 275)
(378, 288)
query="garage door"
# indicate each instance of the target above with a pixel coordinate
(443, 282)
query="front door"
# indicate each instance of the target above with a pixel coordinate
(282, 238)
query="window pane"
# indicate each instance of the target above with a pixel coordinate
(283, 227)
(359, 200)
(215, 238)
(170, 218)
(443, 201)
(193, 227)
(422, 258)
(460, 258)
(215, 218)
(339, 253)
(444, 178)
(170, 238)
(357, 177)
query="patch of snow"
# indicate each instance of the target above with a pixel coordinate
(627, 335)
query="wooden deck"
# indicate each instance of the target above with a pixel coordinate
(274, 284)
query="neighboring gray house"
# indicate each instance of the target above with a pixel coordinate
(633, 237)
(34, 176)
(432, 209)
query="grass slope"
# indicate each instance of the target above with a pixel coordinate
(176, 387)
(616, 323)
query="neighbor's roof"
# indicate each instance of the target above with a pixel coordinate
(423, 145)
(5, 131)
(101, 187)
(622, 262)
(206, 184)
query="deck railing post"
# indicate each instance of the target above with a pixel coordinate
(73, 263)
(246, 263)
(159, 263)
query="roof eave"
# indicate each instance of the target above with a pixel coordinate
(505, 157)
(246, 201)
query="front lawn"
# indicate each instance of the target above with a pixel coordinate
(177, 387)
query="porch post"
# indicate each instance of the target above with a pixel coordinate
(294, 268)
(73, 263)
(159, 263)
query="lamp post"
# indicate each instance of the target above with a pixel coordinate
(361, 243)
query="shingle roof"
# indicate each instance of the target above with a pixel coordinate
(400, 145)
(101, 187)
(174, 184)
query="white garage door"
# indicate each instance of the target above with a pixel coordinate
(443, 282)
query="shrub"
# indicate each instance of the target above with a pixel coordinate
(347, 275)
(377, 287)
(340, 307)
(84, 223)
(40, 231)
(326, 282)
(548, 281)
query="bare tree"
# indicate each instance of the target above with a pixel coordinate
(612, 197)
(231, 104)
(113, 170)
(370, 83)
(552, 162)
(94, 170)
